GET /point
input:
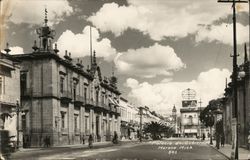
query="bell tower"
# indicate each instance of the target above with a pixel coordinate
(174, 113)
(46, 34)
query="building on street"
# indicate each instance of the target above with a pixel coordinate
(66, 102)
(9, 93)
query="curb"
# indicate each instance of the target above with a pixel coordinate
(41, 152)
(219, 151)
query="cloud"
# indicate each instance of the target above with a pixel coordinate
(163, 95)
(27, 11)
(15, 50)
(159, 18)
(149, 62)
(78, 44)
(223, 33)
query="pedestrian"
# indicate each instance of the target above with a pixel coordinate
(222, 140)
(83, 139)
(115, 138)
(248, 138)
(203, 136)
(45, 141)
(90, 141)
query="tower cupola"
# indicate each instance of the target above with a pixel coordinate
(45, 34)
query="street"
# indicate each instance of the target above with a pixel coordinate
(164, 149)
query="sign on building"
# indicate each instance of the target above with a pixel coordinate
(189, 103)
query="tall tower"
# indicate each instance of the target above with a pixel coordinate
(174, 113)
(46, 34)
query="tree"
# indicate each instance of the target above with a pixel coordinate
(213, 106)
(156, 129)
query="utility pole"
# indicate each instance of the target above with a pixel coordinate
(199, 123)
(235, 74)
(140, 112)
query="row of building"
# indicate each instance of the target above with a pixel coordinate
(44, 96)
(243, 111)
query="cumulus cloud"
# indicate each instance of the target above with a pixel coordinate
(162, 96)
(33, 11)
(149, 62)
(159, 18)
(15, 50)
(78, 44)
(223, 33)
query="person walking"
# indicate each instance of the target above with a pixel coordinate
(115, 138)
(90, 141)
(248, 140)
(203, 136)
(222, 140)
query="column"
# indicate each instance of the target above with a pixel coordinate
(113, 124)
(82, 121)
(119, 126)
(100, 125)
(108, 127)
(90, 121)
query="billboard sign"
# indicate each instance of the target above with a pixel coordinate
(189, 103)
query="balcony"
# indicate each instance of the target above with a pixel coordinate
(79, 100)
(89, 102)
(66, 96)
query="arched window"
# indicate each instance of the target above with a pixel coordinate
(190, 120)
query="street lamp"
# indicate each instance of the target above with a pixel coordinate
(210, 118)
(18, 110)
(17, 123)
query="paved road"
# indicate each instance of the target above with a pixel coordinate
(165, 149)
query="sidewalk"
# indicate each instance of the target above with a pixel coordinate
(244, 154)
(30, 152)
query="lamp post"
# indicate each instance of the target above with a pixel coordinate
(17, 123)
(210, 123)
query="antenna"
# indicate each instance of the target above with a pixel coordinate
(200, 102)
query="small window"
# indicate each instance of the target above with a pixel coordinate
(63, 119)
(61, 84)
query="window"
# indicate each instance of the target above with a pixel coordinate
(24, 122)
(74, 91)
(1, 85)
(87, 124)
(76, 122)
(85, 94)
(102, 100)
(61, 84)
(190, 120)
(63, 119)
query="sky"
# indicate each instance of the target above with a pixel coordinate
(158, 48)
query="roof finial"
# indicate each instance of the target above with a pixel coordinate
(56, 50)
(35, 46)
(7, 49)
(46, 18)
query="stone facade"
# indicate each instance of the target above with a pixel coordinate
(9, 93)
(243, 89)
(65, 102)
(130, 120)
